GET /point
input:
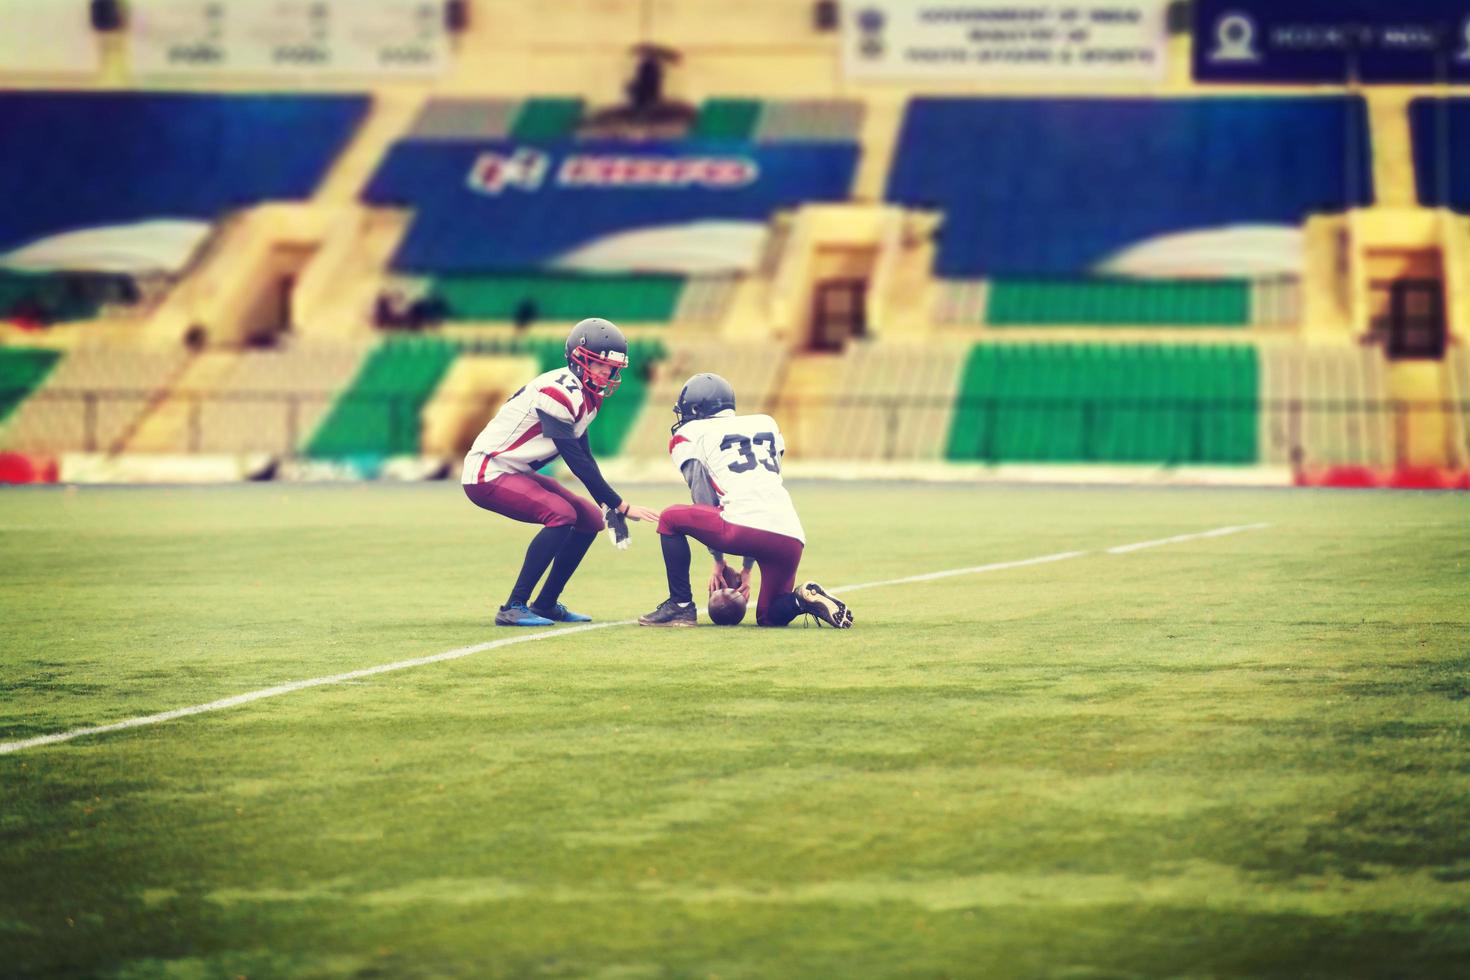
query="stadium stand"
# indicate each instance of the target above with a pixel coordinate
(552, 296)
(1439, 131)
(1120, 303)
(686, 243)
(59, 297)
(810, 120)
(704, 299)
(755, 370)
(382, 411)
(1119, 277)
(175, 155)
(1457, 389)
(731, 119)
(1329, 404)
(1069, 183)
(22, 370)
(128, 183)
(547, 200)
(1131, 403)
(93, 399)
(541, 120)
(1087, 206)
(1033, 302)
(888, 401)
(271, 401)
(378, 413)
(464, 119)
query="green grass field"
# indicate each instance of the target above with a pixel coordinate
(1232, 756)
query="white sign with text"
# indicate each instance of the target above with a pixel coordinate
(349, 38)
(999, 39)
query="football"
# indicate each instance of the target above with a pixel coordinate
(726, 607)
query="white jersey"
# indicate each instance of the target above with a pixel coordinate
(513, 441)
(743, 455)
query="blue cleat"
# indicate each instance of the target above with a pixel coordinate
(519, 614)
(560, 614)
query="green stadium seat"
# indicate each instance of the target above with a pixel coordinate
(1117, 403)
(1118, 302)
(616, 417)
(378, 415)
(732, 119)
(640, 299)
(546, 119)
(22, 369)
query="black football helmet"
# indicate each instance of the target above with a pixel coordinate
(597, 341)
(703, 396)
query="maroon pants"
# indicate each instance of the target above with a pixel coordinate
(776, 554)
(536, 499)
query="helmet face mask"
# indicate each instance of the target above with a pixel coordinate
(597, 353)
(703, 396)
(598, 373)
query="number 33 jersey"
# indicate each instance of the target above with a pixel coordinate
(743, 456)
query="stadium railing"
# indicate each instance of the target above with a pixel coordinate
(1096, 430)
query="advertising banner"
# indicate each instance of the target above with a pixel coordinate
(1316, 41)
(1000, 39)
(332, 38)
(47, 36)
(689, 207)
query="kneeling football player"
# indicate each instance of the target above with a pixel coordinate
(732, 464)
(546, 419)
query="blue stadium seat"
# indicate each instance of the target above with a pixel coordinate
(71, 161)
(1051, 187)
(1440, 130)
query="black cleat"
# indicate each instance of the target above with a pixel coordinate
(815, 602)
(670, 613)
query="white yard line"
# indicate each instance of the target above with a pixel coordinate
(270, 692)
(973, 570)
(7, 748)
(1218, 532)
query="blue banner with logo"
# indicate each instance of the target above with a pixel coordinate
(1313, 41)
(600, 206)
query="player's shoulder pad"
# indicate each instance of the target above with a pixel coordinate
(689, 433)
(571, 400)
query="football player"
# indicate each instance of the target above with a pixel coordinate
(546, 419)
(732, 464)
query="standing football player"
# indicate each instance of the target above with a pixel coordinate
(732, 464)
(546, 419)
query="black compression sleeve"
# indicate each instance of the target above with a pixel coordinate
(579, 460)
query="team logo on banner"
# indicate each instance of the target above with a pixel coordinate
(494, 172)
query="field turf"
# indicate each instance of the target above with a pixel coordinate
(1235, 756)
